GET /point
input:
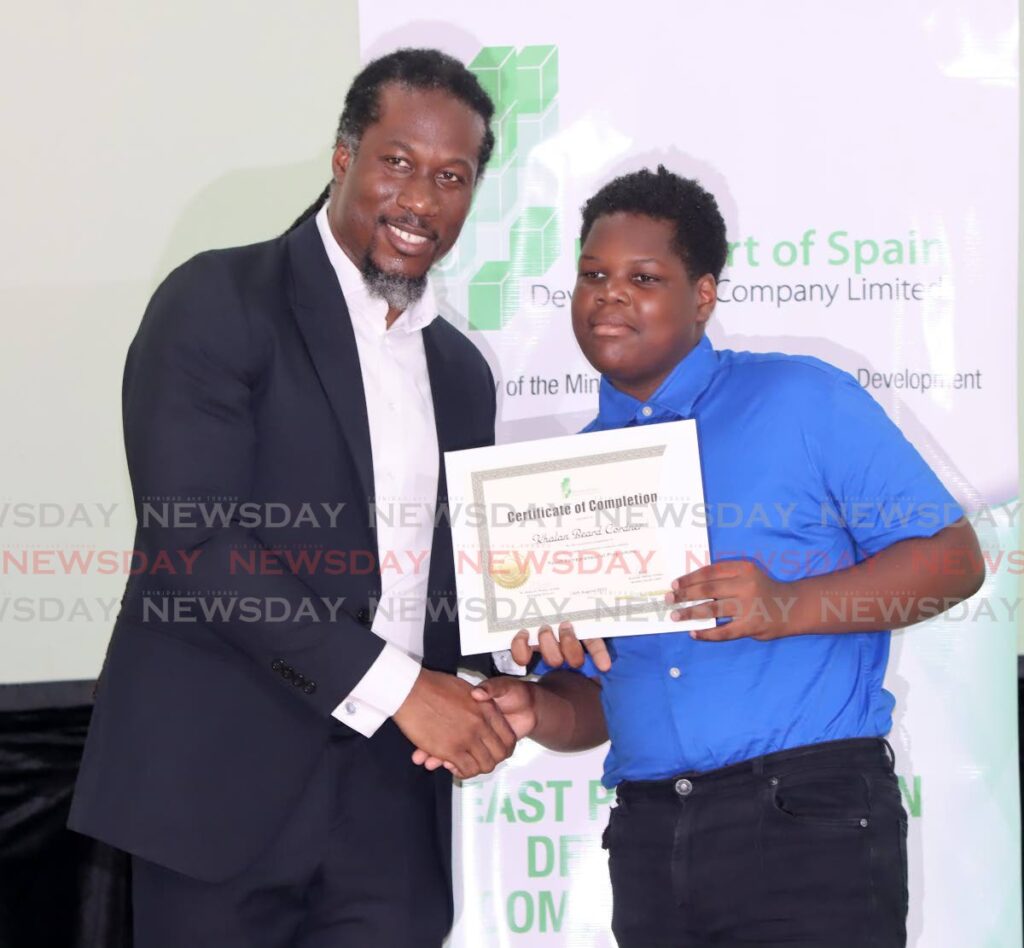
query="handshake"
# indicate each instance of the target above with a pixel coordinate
(470, 730)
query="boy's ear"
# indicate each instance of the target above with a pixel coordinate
(707, 296)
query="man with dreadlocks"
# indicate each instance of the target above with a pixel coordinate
(255, 719)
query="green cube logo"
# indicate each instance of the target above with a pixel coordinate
(497, 194)
(493, 295)
(536, 78)
(534, 241)
(505, 126)
(524, 86)
(535, 129)
(495, 67)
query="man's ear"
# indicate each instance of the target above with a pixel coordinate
(707, 296)
(340, 161)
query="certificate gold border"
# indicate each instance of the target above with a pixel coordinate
(479, 478)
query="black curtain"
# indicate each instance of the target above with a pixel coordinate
(57, 889)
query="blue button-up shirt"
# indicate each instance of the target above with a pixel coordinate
(804, 473)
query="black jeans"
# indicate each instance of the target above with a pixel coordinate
(803, 847)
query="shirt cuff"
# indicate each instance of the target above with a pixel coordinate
(380, 692)
(506, 664)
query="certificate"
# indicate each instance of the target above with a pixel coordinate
(590, 528)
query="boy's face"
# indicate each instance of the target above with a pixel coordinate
(635, 311)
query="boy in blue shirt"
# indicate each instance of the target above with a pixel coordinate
(757, 802)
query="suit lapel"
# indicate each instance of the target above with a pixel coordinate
(441, 651)
(326, 328)
(448, 413)
(444, 390)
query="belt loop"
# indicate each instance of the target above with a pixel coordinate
(758, 765)
(890, 753)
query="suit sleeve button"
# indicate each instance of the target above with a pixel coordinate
(277, 665)
(299, 680)
(363, 615)
(287, 673)
(310, 688)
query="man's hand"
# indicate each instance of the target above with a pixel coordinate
(756, 605)
(562, 711)
(515, 698)
(556, 652)
(441, 717)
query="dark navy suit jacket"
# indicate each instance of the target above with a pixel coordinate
(243, 386)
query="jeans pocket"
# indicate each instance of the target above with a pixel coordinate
(615, 817)
(825, 798)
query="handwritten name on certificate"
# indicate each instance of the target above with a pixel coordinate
(590, 528)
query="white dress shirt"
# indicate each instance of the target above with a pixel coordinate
(403, 441)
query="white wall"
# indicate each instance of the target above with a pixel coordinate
(135, 135)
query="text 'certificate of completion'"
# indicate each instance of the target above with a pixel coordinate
(590, 528)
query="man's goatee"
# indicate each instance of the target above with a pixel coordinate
(399, 292)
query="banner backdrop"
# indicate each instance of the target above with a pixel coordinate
(865, 159)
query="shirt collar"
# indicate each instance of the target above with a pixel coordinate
(675, 397)
(370, 312)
